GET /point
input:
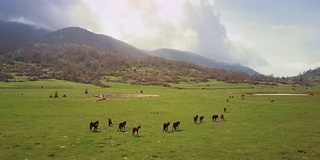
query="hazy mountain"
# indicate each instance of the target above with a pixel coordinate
(13, 33)
(200, 60)
(76, 35)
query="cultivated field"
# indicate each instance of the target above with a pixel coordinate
(34, 126)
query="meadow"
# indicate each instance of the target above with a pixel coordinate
(34, 126)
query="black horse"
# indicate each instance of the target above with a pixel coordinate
(195, 119)
(201, 119)
(214, 118)
(93, 125)
(122, 126)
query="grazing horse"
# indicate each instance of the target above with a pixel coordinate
(201, 118)
(175, 126)
(224, 110)
(195, 119)
(122, 126)
(214, 118)
(93, 125)
(165, 126)
(135, 131)
(272, 100)
(110, 122)
(222, 116)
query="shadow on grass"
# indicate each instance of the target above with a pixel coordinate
(138, 136)
(180, 130)
(218, 121)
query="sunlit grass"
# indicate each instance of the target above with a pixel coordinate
(34, 126)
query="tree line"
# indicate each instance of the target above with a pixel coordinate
(83, 64)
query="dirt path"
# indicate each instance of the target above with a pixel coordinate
(129, 95)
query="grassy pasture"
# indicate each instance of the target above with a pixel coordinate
(34, 126)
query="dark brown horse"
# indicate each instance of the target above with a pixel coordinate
(110, 122)
(222, 116)
(165, 126)
(135, 131)
(175, 126)
(93, 125)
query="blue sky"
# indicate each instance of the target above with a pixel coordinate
(279, 37)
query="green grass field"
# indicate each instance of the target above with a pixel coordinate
(34, 126)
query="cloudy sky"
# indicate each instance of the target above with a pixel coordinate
(279, 37)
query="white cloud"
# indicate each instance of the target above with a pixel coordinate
(288, 69)
(281, 45)
(53, 15)
(244, 52)
(273, 37)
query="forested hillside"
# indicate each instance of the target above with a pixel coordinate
(85, 64)
(77, 55)
(79, 36)
(311, 76)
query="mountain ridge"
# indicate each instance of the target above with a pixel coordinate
(173, 54)
(14, 33)
(80, 36)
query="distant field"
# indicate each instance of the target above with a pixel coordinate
(34, 126)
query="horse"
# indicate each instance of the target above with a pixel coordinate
(214, 118)
(110, 122)
(175, 126)
(222, 116)
(122, 126)
(224, 110)
(201, 118)
(93, 125)
(135, 131)
(165, 126)
(195, 119)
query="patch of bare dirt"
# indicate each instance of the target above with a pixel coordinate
(129, 95)
(103, 97)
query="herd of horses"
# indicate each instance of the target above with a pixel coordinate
(93, 126)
